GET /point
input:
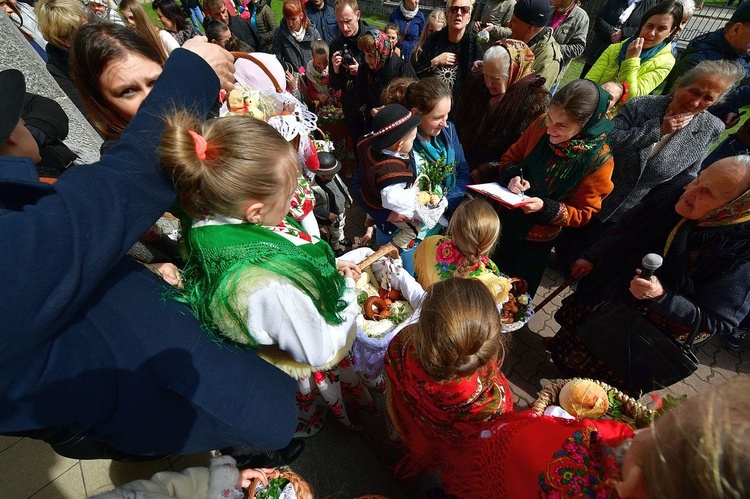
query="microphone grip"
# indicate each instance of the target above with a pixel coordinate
(647, 273)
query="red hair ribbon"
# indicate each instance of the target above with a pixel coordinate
(200, 144)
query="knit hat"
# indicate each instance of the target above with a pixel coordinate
(533, 12)
(391, 124)
(328, 164)
(12, 91)
(742, 14)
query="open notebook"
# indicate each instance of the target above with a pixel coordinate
(499, 193)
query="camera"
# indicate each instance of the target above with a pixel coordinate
(347, 58)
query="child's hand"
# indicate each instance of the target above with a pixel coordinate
(323, 98)
(394, 217)
(247, 476)
(348, 269)
(167, 271)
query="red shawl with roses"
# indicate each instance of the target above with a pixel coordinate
(434, 418)
(529, 456)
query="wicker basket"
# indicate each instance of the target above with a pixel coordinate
(302, 489)
(631, 408)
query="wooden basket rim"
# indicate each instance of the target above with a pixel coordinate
(548, 395)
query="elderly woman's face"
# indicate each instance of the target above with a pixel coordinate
(495, 77)
(698, 96)
(125, 83)
(560, 126)
(716, 186)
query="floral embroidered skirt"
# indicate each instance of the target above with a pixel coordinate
(340, 391)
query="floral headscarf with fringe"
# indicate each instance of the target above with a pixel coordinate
(383, 48)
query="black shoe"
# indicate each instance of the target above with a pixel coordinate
(247, 457)
(734, 341)
(348, 243)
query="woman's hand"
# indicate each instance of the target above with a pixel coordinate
(219, 59)
(518, 186)
(634, 49)
(323, 98)
(675, 122)
(291, 81)
(477, 26)
(375, 110)
(616, 36)
(644, 289)
(348, 269)
(444, 59)
(532, 205)
(247, 476)
(581, 267)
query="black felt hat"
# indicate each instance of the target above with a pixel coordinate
(742, 14)
(391, 124)
(328, 164)
(533, 12)
(12, 91)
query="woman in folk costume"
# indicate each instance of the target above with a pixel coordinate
(444, 380)
(254, 276)
(563, 166)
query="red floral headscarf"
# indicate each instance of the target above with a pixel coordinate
(383, 48)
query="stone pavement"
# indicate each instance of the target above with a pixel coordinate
(342, 463)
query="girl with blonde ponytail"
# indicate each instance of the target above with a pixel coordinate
(473, 231)
(253, 275)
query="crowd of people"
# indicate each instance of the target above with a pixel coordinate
(256, 280)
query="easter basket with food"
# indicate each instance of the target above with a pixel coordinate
(518, 310)
(591, 399)
(430, 205)
(384, 311)
(282, 484)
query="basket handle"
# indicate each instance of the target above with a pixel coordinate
(257, 62)
(423, 176)
(385, 250)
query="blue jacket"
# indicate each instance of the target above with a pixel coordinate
(707, 47)
(411, 36)
(455, 196)
(88, 342)
(323, 19)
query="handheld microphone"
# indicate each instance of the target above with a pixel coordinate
(650, 263)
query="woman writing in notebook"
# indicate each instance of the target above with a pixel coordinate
(562, 167)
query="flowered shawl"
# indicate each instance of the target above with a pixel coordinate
(434, 417)
(383, 47)
(554, 170)
(437, 259)
(528, 456)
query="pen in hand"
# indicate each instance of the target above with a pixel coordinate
(523, 195)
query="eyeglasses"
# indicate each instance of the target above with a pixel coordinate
(455, 9)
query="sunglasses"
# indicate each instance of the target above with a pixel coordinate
(463, 9)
